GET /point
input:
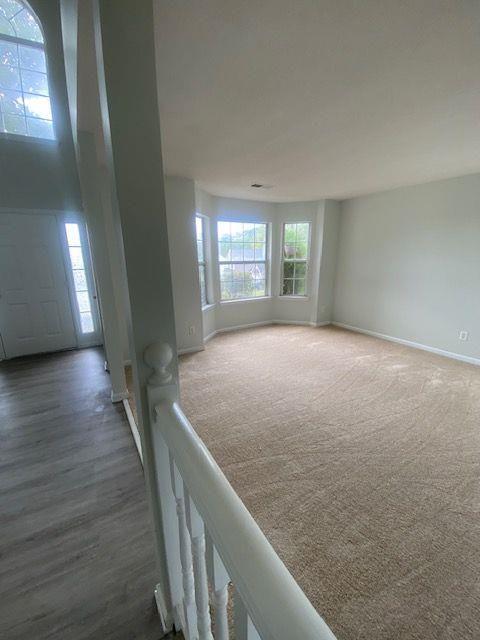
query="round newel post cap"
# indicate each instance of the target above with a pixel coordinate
(158, 356)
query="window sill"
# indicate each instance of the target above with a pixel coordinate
(208, 307)
(236, 300)
(18, 137)
(297, 298)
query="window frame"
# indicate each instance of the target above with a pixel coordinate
(306, 261)
(265, 262)
(205, 262)
(41, 46)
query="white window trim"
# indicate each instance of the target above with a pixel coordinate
(266, 262)
(206, 262)
(293, 296)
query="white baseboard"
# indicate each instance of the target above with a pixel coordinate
(263, 323)
(302, 323)
(209, 337)
(181, 352)
(133, 428)
(119, 396)
(410, 343)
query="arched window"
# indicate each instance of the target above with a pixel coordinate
(25, 107)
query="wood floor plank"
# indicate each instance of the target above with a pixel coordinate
(76, 548)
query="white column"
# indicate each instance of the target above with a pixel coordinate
(128, 96)
(91, 193)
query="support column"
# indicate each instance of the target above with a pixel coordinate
(128, 95)
(91, 192)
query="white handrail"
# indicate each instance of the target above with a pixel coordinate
(277, 606)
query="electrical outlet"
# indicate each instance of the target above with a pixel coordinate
(191, 330)
(463, 335)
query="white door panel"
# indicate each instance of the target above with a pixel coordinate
(35, 312)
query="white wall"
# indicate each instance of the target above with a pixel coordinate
(409, 264)
(180, 200)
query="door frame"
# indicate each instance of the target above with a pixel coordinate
(82, 340)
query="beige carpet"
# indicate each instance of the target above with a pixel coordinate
(360, 460)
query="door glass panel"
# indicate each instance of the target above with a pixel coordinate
(80, 280)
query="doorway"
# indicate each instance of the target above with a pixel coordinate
(47, 289)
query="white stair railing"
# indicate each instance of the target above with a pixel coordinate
(212, 541)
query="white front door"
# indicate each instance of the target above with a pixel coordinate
(35, 311)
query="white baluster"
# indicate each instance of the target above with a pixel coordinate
(189, 606)
(197, 534)
(219, 580)
(244, 627)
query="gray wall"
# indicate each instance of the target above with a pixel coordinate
(409, 264)
(41, 174)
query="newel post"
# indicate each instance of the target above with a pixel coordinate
(162, 392)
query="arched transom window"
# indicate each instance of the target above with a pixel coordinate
(25, 107)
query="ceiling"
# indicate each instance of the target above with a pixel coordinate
(318, 98)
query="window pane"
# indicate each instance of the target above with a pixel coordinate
(260, 232)
(237, 251)
(8, 54)
(299, 287)
(224, 251)
(32, 58)
(40, 128)
(260, 251)
(300, 269)
(225, 290)
(73, 234)
(290, 233)
(86, 322)
(76, 257)
(80, 280)
(11, 102)
(248, 232)
(288, 287)
(14, 124)
(223, 231)
(288, 269)
(26, 26)
(6, 27)
(203, 287)
(226, 272)
(301, 250)
(238, 272)
(37, 106)
(199, 227)
(248, 251)
(83, 301)
(302, 232)
(289, 250)
(9, 8)
(34, 82)
(10, 78)
(200, 251)
(236, 231)
(260, 288)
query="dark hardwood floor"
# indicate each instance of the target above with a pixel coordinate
(76, 550)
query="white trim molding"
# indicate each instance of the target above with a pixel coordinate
(410, 343)
(133, 428)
